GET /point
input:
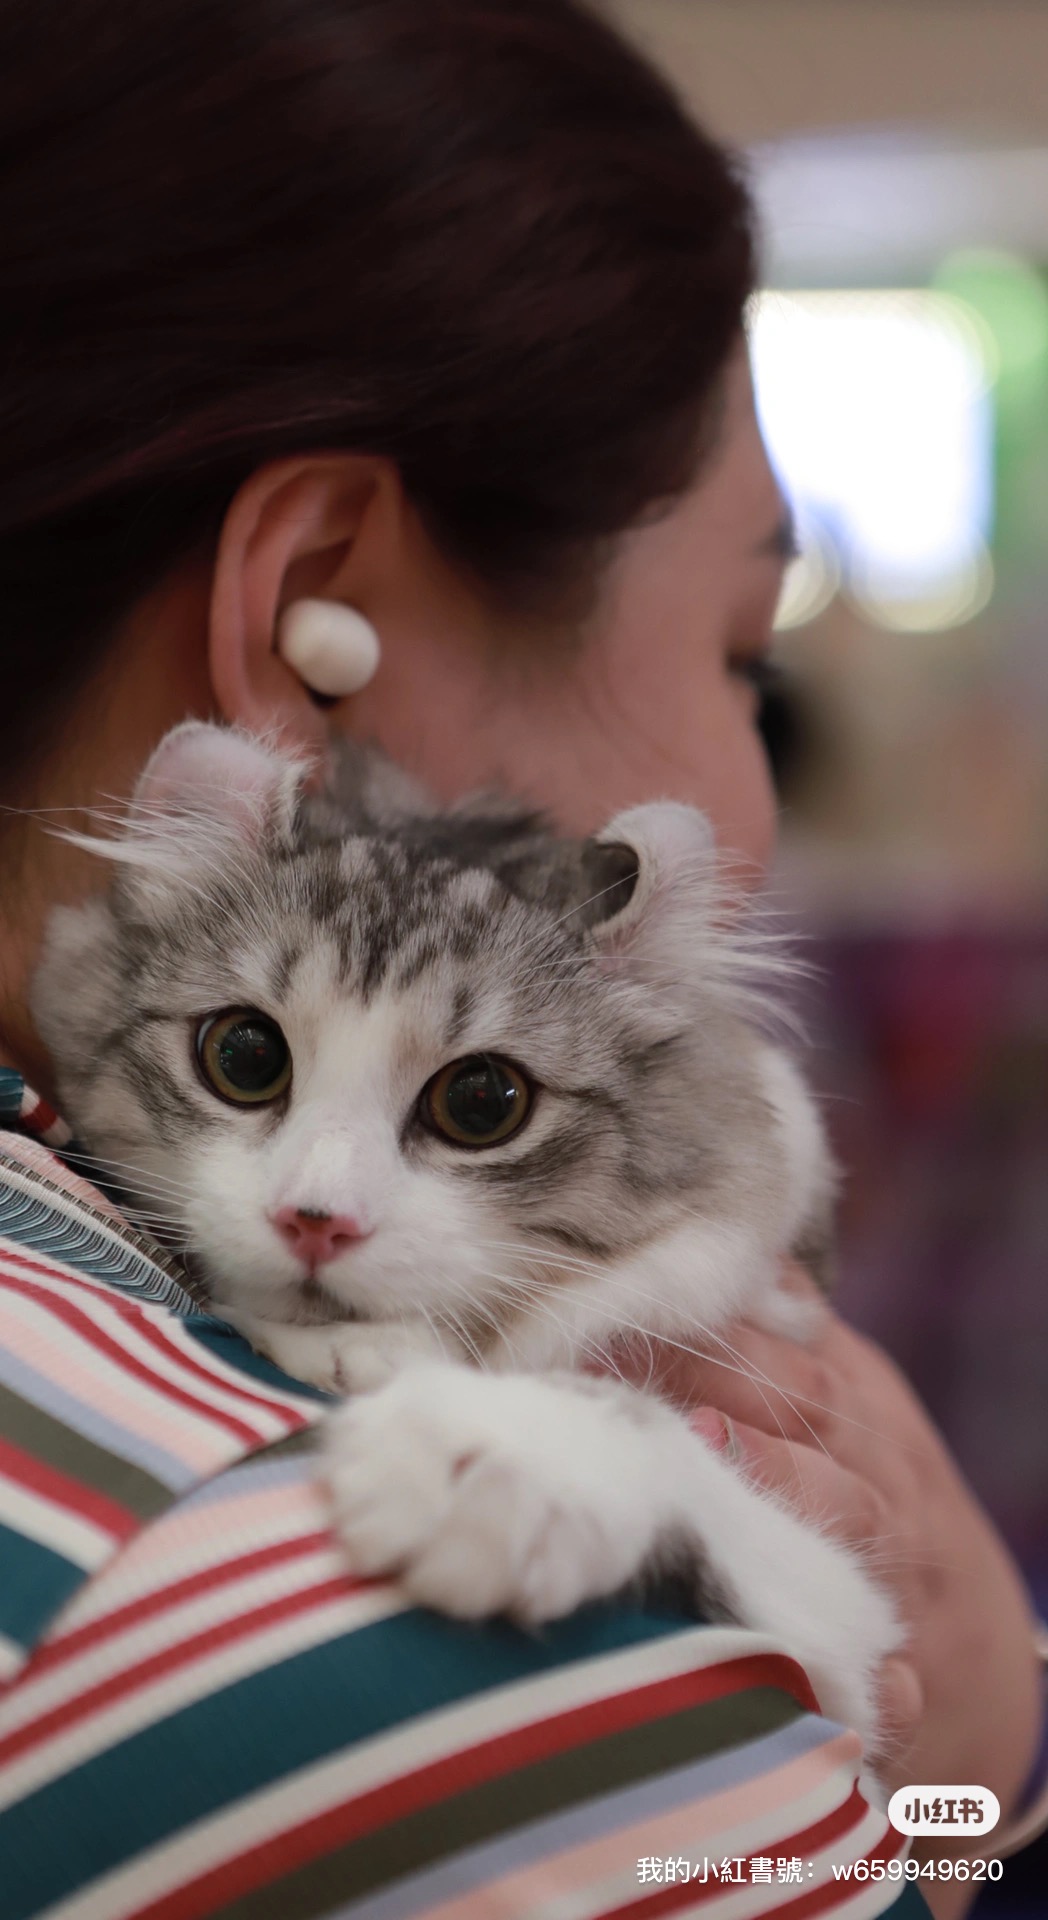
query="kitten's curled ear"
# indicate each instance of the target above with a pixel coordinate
(206, 793)
(212, 776)
(654, 924)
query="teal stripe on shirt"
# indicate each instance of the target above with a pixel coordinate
(229, 1346)
(36, 1583)
(266, 1726)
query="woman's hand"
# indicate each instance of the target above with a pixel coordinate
(835, 1430)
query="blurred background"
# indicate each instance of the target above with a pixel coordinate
(899, 151)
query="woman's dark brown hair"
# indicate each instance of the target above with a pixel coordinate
(479, 237)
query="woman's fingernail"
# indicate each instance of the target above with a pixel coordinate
(716, 1429)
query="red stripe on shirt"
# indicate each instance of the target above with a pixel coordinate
(39, 1117)
(87, 1329)
(832, 1827)
(65, 1647)
(73, 1496)
(167, 1660)
(130, 1311)
(456, 1772)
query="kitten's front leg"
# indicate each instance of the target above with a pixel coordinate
(531, 1494)
(342, 1356)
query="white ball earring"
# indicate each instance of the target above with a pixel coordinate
(332, 648)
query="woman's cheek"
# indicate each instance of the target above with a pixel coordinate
(732, 778)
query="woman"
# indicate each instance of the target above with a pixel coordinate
(430, 308)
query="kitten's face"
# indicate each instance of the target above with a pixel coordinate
(371, 1026)
(360, 1082)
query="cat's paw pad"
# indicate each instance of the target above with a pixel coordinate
(490, 1495)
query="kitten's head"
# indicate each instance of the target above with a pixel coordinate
(403, 1070)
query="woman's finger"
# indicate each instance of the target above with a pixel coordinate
(796, 1279)
(896, 1491)
(810, 1482)
(837, 1393)
(760, 1379)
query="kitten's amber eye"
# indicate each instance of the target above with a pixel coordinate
(244, 1056)
(477, 1102)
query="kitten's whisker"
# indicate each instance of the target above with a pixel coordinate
(754, 1374)
(434, 1320)
(463, 1334)
(530, 1293)
(476, 1308)
(570, 1263)
(736, 1364)
(519, 1292)
(756, 1377)
(520, 1298)
(156, 1179)
(161, 1204)
(650, 1333)
(171, 1244)
(165, 1192)
(152, 1223)
(161, 1231)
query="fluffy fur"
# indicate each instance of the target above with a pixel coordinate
(671, 1156)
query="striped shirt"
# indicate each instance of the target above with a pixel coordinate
(202, 1713)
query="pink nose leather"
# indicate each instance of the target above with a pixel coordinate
(317, 1237)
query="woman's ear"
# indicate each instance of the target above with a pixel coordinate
(319, 526)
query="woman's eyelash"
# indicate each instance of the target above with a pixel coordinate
(762, 672)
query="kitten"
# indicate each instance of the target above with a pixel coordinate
(441, 1107)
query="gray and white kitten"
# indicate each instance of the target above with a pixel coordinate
(441, 1108)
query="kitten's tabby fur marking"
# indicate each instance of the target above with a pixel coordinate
(673, 1154)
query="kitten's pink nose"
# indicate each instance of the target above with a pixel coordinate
(317, 1237)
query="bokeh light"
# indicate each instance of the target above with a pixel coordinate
(877, 410)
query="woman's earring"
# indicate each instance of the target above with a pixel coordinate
(332, 648)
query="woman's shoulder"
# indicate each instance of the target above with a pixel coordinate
(117, 1395)
(206, 1701)
(224, 1710)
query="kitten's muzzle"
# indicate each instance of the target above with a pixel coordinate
(315, 1237)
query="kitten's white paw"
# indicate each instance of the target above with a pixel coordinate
(528, 1495)
(491, 1494)
(342, 1356)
